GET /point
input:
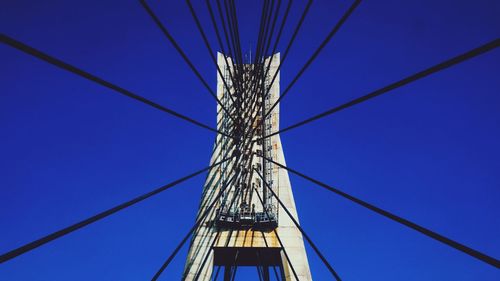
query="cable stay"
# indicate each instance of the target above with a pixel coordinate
(313, 245)
(62, 232)
(285, 55)
(427, 232)
(73, 69)
(183, 54)
(236, 171)
(244, 107)
(279, 239)
(490, 46)
(316, 53)
(200, 219)
(209, 48)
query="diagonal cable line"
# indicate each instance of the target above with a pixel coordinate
(221, 45)
(182, 53)
(409, 79)
(277, 236)
(205, 199)
(275, 19)
(254, 70)
(267, 246)
(230, 8)
(211, 225)
(231, 48)
(205, 258)
(224, 14)
(236, 30)
(216, 273)
(261, 44)
(282, 25)
(335, 29)
(427, 232)
(270, 26)
(193, 228)
(278, 36)
(62, 232)
(290, 43)
(249, 84)
(232, 5)
(75, 70)
(315, 248)
(288, 48)
(232, 23)
(261, 32)
(234, 267)
(204, 213)
(207, 45)
(258, 76)
(237, 59)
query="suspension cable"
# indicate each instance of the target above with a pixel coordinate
(207, 45)
(221, 45)
(169, 36)
(207, 254)
(217, 273)
(315, 248)
(236, 171)
(429, 233)
(316, 53)
(409, 79)
(62, 232)
(290, 43)
(277, 236)
(75, 70)
(193, 228)
(231, 49)
(287, 50)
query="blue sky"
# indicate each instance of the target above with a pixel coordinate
(428, 152)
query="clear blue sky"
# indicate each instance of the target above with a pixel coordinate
(428, 152)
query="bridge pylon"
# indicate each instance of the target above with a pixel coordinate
(243, 222)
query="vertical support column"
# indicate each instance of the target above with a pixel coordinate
(291, 238)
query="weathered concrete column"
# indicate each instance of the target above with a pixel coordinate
(212, 246)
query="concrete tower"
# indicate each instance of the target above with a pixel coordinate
(247, 226)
